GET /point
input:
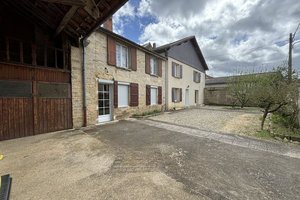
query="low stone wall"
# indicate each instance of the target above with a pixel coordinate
(217, 96)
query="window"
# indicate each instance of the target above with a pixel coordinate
(51, 90)
(14, 50)
(153, 66)
(153, 95)
(176, 94)
(176, 70)
(197, 77)
(123, 95)
(103, 99)
(15, 89)
(196, 96)
(122, 56)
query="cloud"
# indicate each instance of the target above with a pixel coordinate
(231, 33)
(124, 16)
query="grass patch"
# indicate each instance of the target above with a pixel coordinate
(286, 131)
(264, 134)
(146, 113)
(281, 126)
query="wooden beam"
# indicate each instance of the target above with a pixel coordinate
(79, 3)
(104, 3)
(92, 9)
(66, 19)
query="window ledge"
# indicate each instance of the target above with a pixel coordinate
(177, 77)
(123, 68)
(155, 75)
(177, 101)
(123, 106)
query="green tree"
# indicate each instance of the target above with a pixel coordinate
(241, 88)
(272, 91)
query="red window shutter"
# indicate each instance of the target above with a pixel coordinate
(173, 94)
(160, 68)
(148, 94)
(180, 71)
(173, 69)
(147, 63)
(116, 94)
(133, 58)
(134, 94)
(159, 95)
(111, 51)
(180, 94)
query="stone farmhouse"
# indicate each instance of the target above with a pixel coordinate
(121, 78)
(185, 73)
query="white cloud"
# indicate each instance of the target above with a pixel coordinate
(122, 17)
(231, 33)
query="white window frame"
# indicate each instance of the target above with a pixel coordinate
(119, 50)
(177, 70)
(119, 96)
(156, 95)
(153, 66)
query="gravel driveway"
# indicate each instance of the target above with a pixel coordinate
(215, 119)
(139, 160)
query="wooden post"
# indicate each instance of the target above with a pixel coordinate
(21, 52)
(35, 109)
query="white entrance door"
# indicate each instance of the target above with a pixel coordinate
(104, 102)
(187, 98)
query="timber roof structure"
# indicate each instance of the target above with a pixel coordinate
(77, 18)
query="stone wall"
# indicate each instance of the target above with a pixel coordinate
(217, 96)
(77, 86)
(97, 68)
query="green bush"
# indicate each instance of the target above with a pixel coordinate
(155, 111)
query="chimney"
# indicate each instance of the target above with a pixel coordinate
(108, 24)
(154, 45)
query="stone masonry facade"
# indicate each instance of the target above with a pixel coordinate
(97, 67)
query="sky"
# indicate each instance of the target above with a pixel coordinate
(233, 35)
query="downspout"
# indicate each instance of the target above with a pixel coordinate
(84, 43)
(166, 81)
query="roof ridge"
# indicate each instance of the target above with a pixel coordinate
(176, 42)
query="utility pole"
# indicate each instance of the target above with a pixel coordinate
(290, 58)
(291, 43)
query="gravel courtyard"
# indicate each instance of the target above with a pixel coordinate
(143, 159)
(215, 118)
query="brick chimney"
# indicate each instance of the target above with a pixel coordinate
(108, 24)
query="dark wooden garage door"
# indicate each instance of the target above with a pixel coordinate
(33, 101)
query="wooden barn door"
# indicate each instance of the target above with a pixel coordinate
(33, 101)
